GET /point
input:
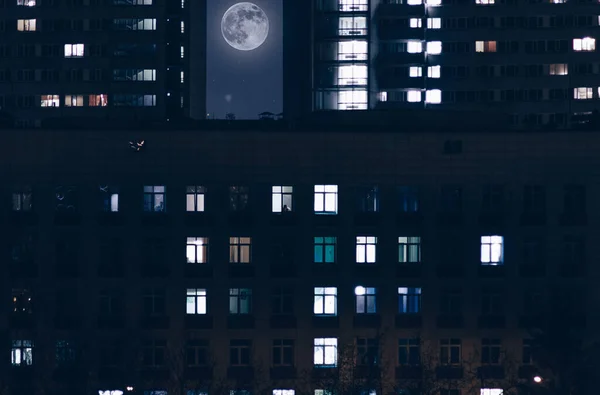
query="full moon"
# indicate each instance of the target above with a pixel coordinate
(245, 26)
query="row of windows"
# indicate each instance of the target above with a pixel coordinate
(585, 44)
(490, 95)
(127, 24)
(389, 25)
(502, 70)
(325, 198)
(326, 352)
(137, 50)
(74, 75)
(74, 3)
(366, 301)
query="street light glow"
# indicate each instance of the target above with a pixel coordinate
(537, 379)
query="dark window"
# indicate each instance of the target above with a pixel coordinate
(368, 199)
(409, 351)
(238, 198)
(283, 301)
(451, 199)
(283, 352)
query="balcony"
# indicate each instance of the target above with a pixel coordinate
(111, 322)
(155, 219)
(240, 321)
(111, 219)
(449, 372)
(367, 321)
(532, 270)
(408, 320)
(67, 219)
(492, 271)
(284, 219)
(199, 219)
(241, 270)
(408, 372)
(198, 321)
(280, 270)
(283, 373)
(283, 321)
(23, 218)
(408, 270)
(491, 321)
(155, 322)
(196, 270)
(450, 321)
(325, 321)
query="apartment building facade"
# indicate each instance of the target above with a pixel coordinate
(535, 60)
(93, 59)
(291, 263)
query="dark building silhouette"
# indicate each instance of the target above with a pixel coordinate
(290, 262)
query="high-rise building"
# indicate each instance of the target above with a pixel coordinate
(536, 61)
(94, 59)
(284, 262)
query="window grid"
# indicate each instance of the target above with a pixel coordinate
(365, 300)
(409, 249)
(155, 198)
(492, 250)
(366, 248)
(282, 199)
(409, 300)
(195, 198)
(240, 301)
(240, 249)
(325, 352)
(409, 351)
(197, 250)
(324, 249)
(196, 301)
(325, 301)
(326, 197)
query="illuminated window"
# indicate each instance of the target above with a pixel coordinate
(409, 249)
(409, 300)
(353, 50)
(434, 23)
(353, 75)
(195, 301)
(110, 392)
(366, 247)
(583, 93)
(65, 352)
(414, 2)
(98, 100)
(434, 71)
(434, 3)
(109, 196)
(491, 391)
(382, 96)
(413, 95)
(325, 301)
(492, 250)
(240, 301)
(73, 100)
(450, 351)
(130, 24)
(326, 198)
(352, 26)
(26, 3)
(485, 46)
(414, 47)
(433, 96)
(50, 101)
(415, 23)
(155, 198)
(484, 1)
(367, 354)
(434, 47)
(324, 249)
(21, 352)
(584, 44)
(22, 199)
(182, 52)
(325, 392)
(239, 249)
(353, 5)
(408, 198)
(197, 249)
(132, 2)
(284, 392)
(195, 198)
(415, 71)
(365, 300)
(134, 74)
(182, 77)
(74, 50)
(325, 352)
(558, 69)
(26, 25)
(182, 27)
(353, 100)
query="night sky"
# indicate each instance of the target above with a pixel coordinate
(245, 83)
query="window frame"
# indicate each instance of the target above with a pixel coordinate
(489, 253)
(240, 247)
(366, 250)
(409, 300)
(195, 199)
(282, 196)
(322, 245)
(154, 197)
(323, 345)
(365, 300)
(407, 247)
(236, 297)
(200, 248)
(199, 301)
(326, 199)
(324, 300)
